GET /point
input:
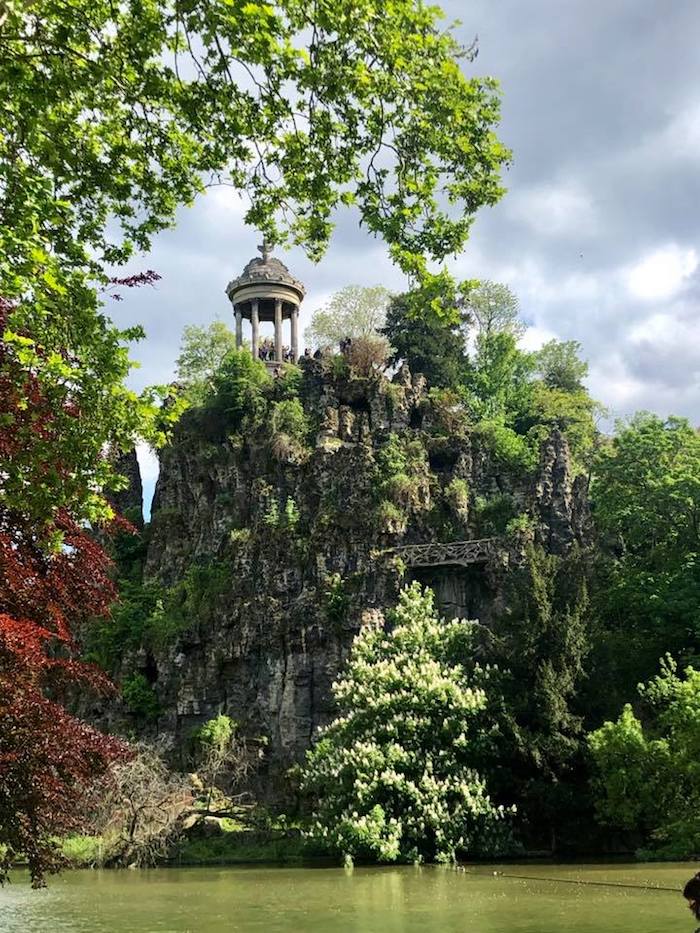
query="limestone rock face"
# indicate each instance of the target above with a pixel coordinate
(562, 503)
(129, 501)
(301, 543)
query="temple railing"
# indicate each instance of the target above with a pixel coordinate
(455, 552)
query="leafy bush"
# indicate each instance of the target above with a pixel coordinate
(394, 774)
(520, 524)
(401, 471)
(239, 535)
(216, 732)
(507, 446)
(337, 599)
(494, 515)
(449, 413)
(288, 417)
(389, 515)
(367, 355)
(457, 494)
(150, 615)
(291, 514)
(140, 697)
(240, 382)
(271, 517)
(285, 518)
(288, 384)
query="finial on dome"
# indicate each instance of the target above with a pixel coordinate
(265, 250)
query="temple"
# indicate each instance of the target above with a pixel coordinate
(266, 291)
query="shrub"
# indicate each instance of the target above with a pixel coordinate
(521, 524)
(450, 414)
(388, 514)
(291, 514)
(494, 515)
(288, 417)
(240, 536)
(150, 615)
(288, 383)
(506, 446)
(239, 383)
(337, 599)
(367, 355)
(457, 494)
(140, 697)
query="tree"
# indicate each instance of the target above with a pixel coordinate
(202, 352)
(493, 309)
(393, 775)
(368, 355)
(54, 579)
(646, 776)
(646, 496)
(497, 380)
(139, 808)
(559, 365)
(48, 758)
(290, 104)
(239, 383)
(62, 397)
(426, 340)
(224, 760)
(354, 311)
(540, 643)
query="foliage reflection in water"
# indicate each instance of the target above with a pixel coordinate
(364, 900)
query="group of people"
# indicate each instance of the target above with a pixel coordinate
(266, 352)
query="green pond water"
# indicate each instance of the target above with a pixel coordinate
(363, 900)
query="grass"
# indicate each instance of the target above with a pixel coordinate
(232, 846)
(82, 851)
(247, 846)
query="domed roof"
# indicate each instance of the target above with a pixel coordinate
(263, 270)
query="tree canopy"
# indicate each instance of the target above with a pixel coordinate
(560, 366)
(202, 351)
(646, 776)
(355, 311)
(428, 342)
(117, 109)
(492, 308)
(646, 496)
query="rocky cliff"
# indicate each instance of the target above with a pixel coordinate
(284, 524)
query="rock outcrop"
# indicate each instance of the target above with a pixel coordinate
(296, 536)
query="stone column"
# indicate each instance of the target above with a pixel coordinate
(255, 322)
(295, 334)
(239, 325)
(278, 329)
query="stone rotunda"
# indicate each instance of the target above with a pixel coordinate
(267, 291)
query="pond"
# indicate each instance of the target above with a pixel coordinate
(482, 899)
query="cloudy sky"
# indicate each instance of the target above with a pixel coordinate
(598, 235)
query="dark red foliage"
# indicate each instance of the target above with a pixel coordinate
(149, 277)
(48, 758)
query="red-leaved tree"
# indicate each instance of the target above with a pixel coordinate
(53, 579)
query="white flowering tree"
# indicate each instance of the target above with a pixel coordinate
(394, 775)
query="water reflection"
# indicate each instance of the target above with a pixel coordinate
(365, 900)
